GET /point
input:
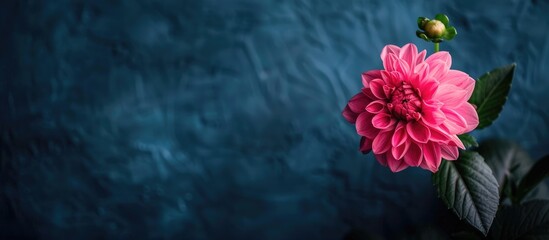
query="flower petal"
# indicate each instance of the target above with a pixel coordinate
(364, 125)
(459, 79)
(389, 62)
(439, 135)
(399, 151)
(369, 76)
(388, 90)
(451, 95)
(391, 78)
(414, 156)
(376, 106)
(443, 57)
(424, 165)
(349, 115)
(383, 121)
(401, 66)
(449, 152)
(432, 156)
(397, 78)
(421, 57)
(428, 87)
(376, 86)
(381, 158)
(394, 164)
(368, 93)
(421, 70)
(438, 69)
(365, 145)
(455, 141)
(409, 53)
(389, 49)
(382, 142)
(418, 131)
(468, 112)
(358, 102)
(455, 123)
(400, 135)
(432, 115)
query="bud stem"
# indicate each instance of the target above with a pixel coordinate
(436, 47)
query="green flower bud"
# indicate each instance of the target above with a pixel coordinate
(435, 29)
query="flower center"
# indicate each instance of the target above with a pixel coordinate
(405, 103)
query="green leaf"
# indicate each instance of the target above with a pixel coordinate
(443, 18)
(468, 187)
(421, 22)
(422, 35)
(537, 173)
(491, 92)
(527, 221)
(468, 140)
(451, 32)
(508, 161)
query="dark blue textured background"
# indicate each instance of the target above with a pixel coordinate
(221, 119)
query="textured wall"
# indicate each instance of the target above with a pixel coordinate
(221, 119)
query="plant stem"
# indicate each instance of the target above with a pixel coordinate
(436, 47)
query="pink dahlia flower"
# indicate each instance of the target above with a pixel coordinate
(410, 113)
